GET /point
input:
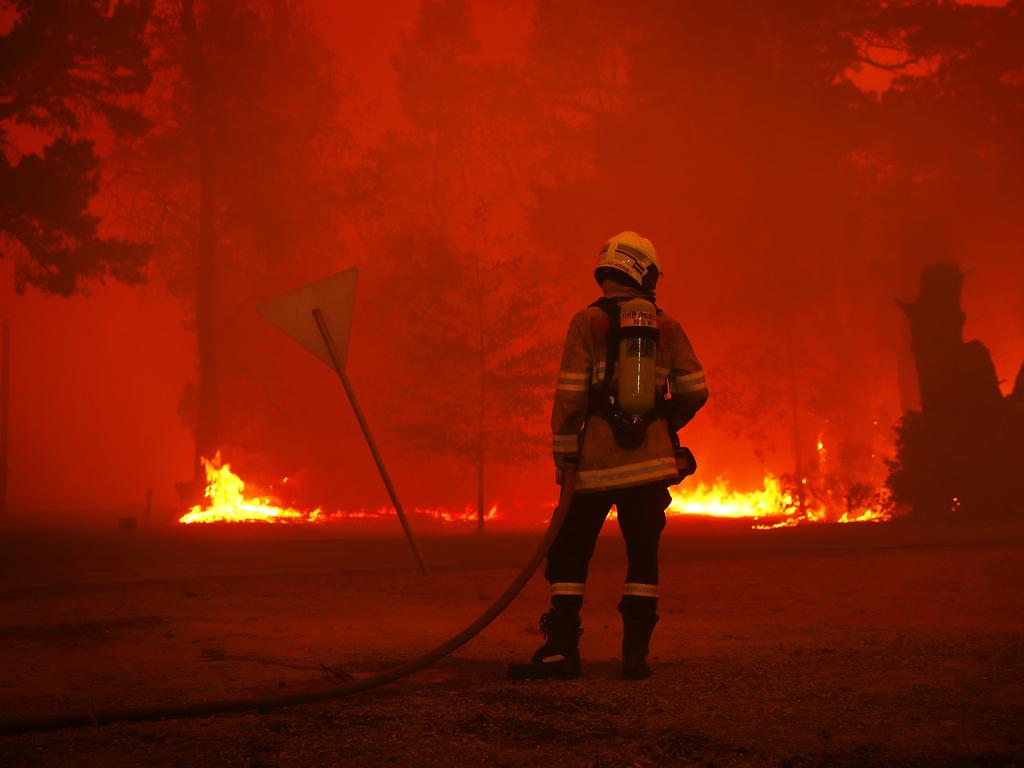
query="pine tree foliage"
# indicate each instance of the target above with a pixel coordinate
(451, 205)
(69, 71)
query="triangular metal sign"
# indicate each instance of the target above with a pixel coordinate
(334, 296)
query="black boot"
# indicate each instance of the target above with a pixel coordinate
(639, 615)
(559, 657)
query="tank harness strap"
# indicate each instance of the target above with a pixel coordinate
(611, 308)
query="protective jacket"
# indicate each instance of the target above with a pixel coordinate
(579, 432)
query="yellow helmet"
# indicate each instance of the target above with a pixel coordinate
(633, 256)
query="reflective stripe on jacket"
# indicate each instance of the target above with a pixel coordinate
(603, 463)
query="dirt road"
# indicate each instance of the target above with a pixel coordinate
(825, 646)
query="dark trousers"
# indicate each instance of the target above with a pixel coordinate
(641, 513)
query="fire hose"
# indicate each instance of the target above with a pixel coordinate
(264, 703)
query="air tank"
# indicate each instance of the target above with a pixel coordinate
(638, 328)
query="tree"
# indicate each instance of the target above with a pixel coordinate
(949, 130)
(69, 72)
(739, 167)
(779, 191)
(450, 216)
(239, 175)
(964, 450)
(474, 336)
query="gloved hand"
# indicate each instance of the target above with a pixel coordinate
(686, 463)
(564, 461)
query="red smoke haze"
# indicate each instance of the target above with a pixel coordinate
(97, 379)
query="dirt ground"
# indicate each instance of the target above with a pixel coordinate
(856, 645)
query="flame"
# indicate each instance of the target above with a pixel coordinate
(818, 497)
(226, 502)
(719, 500)
(774, 506)
(777, 504)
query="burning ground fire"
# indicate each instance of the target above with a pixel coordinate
(773, 506)
(226, 502)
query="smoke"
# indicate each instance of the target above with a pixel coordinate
(792, 188)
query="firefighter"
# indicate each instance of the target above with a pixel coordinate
(629, 380)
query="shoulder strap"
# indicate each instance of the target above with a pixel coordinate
(611, 308)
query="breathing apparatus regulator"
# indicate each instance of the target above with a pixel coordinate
(629, 400)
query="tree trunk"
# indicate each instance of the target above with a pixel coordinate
(481, 451)
(5, 411)
(963, 453)
(481, 411)
(480, 493)
(208, 415)
(936, 332)
(794, 395)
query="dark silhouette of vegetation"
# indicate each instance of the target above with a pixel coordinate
(466, 281)
(962, 454)
(70, 72)
(238, 176)
(809, 182)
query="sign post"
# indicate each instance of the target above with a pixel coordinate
(319, 317)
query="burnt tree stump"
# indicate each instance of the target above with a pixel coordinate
(963, 453)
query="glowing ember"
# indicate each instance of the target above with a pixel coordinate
(441, 514)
